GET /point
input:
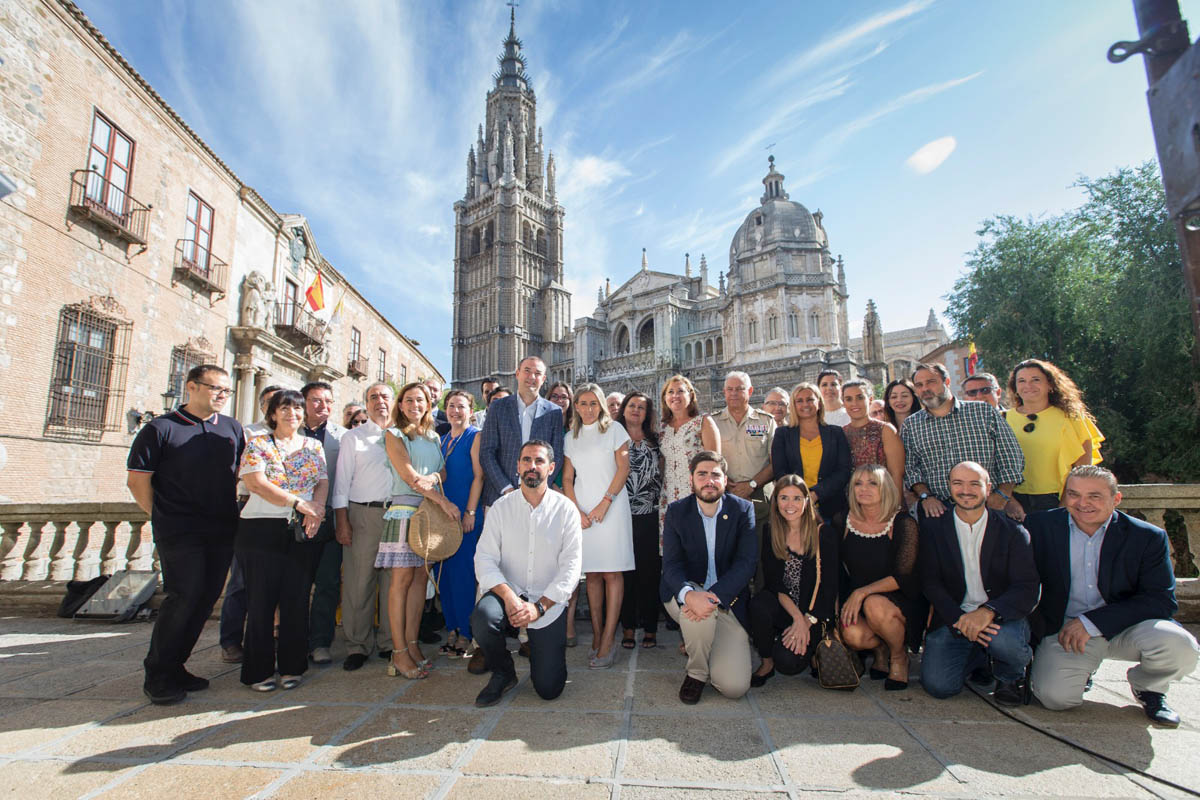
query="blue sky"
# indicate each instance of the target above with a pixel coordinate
(906, 123)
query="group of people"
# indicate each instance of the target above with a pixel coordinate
(985, 538)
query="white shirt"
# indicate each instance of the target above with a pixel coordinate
(841, 417)
(537, 551)
(250, 431)
(525, 414)
(362, 467)
(478, 417)
(710, 539)
(970, 544)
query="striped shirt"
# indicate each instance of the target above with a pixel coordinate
(972, 431)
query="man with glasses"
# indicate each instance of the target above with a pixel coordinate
(776, 404)
(183, 473)
(326, 572)
(983, 386)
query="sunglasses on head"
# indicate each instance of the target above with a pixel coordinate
(1031, 424)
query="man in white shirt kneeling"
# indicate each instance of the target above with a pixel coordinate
(527, 564)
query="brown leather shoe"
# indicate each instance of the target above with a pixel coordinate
(691, 690)
(523, 651)
(477, 665)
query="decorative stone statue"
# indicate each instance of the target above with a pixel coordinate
(253, 308)
(297, 249)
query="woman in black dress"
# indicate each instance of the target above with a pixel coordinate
(800, 571)
(884, 610)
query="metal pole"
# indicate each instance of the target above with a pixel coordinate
(1165, 35)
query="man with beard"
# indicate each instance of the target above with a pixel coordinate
(977, 569)
(527, 563)
(710, 554)
(946, 432)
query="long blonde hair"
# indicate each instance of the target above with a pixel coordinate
(810, 529)
(889, 495)
(604, 420)
(793, 418)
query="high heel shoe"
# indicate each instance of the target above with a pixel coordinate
(758, 680)
(415, 674)
(880, 658)
(425, 663)
(893, 684)
(603, 662)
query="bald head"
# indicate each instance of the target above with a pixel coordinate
(970, 485)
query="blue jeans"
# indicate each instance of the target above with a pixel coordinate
(948, 658)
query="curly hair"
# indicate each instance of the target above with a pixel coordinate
(1064, 394)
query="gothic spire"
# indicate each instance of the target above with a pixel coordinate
(687, 265)
(512, 61)
(645, 263)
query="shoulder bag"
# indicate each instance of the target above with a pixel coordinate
(836, 667)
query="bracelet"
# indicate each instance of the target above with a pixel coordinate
(1002, 494)
(610, 497)
(295, 501)
(470, 513)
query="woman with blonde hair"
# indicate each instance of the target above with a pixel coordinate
(685, 432)
(597, 464)
(884, 610)
(817, 452)
(1054, 428)
(800, 576)
(415, 457)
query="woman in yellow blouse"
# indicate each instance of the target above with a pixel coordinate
(1055, 429)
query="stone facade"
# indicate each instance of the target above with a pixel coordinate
(901, 350)
(125, 256)
(509, 298)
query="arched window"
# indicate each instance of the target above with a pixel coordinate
(720, 348)
(475, 244)
(541, 243)
(708, 350)
(489, 236)
(687, 353)
(752, 331)
(793, 325)
(621, 342)
(814, 325)
(772, 328)
(526, 235)
(646, 335)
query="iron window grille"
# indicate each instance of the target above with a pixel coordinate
(91, 360)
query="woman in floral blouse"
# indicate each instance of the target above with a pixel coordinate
(641, 605)
(284, 471)
(685, 432)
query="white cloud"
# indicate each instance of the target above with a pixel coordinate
(930, 156)
(590, 172)
(430, 230)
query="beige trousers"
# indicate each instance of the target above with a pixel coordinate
(361, 582)
(1164, 652)
(718, 650)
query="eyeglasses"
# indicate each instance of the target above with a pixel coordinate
(977, 392)
(557, 396)
(1030, 426)
(219, 391)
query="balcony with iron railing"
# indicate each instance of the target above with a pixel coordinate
(108, 205)
(357, 367)
(297, 324)
(197, 268)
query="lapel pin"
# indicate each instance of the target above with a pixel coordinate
(724, 516)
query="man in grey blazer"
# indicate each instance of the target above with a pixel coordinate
(511, 421)
(326, 572)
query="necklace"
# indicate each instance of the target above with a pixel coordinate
(453, 443)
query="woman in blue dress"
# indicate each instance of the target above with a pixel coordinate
(464, 484)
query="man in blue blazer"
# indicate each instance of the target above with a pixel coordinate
(710, 553)
(1108, 591)
(977, 571)
(511, 421)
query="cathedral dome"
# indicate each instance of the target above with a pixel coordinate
(777, 220)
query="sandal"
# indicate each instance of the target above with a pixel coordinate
(425, 663)
(649, 640)
(627, 641)
(416, 674)
(450, 647)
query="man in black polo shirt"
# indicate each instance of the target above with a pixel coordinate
(183, 473)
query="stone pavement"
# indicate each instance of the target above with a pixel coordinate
(74, 723)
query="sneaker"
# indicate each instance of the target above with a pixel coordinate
(264, 686)
(321, 655)
(500, 683)
(1008, 693)
(232, 654)
(1157, 710)
(289, 681)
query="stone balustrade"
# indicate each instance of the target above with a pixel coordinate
(1154, 500)
(73, 541)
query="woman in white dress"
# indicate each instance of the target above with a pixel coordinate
(597, 464)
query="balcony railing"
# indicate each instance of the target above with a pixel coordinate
(198, 268)
(108, 205)
(73, 541)
(357, 367)
(297, 324)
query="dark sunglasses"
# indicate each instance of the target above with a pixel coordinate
(977, 392)
(354, 423)
(1030, 425)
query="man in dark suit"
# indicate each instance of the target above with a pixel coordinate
(512, 421)
(710, 554)
(978, 572)
(1108, 591)
(441, 425)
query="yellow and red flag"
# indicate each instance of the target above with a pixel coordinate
(315, 294)
(972, 358)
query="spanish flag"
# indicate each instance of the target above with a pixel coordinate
(315, 294)
(972, 358)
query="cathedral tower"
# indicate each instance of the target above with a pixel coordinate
(509, 297)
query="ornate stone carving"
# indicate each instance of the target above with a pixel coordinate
(255, 306)
(108, 306)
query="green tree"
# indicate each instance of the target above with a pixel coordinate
(1099, 291)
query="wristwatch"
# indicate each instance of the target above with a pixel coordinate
(811, 619)
(923, 496)
(753, 484)
(541, 609)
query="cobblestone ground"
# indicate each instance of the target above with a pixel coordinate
(74, 723)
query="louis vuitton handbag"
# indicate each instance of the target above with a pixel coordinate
(837, 667)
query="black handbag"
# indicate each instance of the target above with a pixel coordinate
(837, 667)
(296, 526)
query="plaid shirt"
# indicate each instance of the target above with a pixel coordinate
(972, 431)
